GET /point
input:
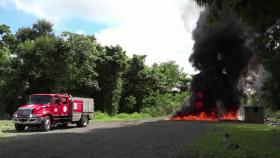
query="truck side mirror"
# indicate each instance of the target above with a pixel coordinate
(56, 100)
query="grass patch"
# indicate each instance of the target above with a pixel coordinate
(236, 141)
(99, 116)
(5, 126)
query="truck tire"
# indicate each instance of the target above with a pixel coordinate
(46, 124)
(19, 127)
(83, 122)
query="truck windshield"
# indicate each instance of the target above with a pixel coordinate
(39, 99)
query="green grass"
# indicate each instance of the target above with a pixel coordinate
(6, 126)
(99, 116)
(244, 141)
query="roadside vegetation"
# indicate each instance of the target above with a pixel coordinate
(5, 125)
(36, 60)
(236, 140)
(99, 116)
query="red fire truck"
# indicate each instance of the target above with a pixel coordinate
(49, 110)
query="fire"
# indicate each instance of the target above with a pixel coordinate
(204, 116)
(232, 115)
(201, 116)
(202, 113)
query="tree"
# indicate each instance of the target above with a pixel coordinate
(184, 82)
(42, 27)
(24, 34)
(111, 64)
(5, 62)
(172, 75)
(5, 59)
(7, 39)
(45, 63)
(259, 14)
(33, 70)
(270, 58)
(134, 88)
(35, 60)
(80, 61)
(141, 81)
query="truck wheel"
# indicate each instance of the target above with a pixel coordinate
(19, 127)
(83, 122)
(46, 124)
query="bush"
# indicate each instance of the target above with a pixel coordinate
(272, 114)
(162, 104)
(119, 117)
(129, 104)
(100, 115)
(134, 115)
(254, 99)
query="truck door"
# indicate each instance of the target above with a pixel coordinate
(55, 107)
(64, 107)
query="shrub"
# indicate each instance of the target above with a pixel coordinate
(162, 104)
(119, 117)
(100, 116)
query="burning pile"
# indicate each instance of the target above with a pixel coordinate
(221, 53)
(198, 111)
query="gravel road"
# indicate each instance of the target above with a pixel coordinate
(128, 139)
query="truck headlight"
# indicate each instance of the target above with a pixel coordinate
(33, 115)
(15, 114)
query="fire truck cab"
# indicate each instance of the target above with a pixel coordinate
(49, 110)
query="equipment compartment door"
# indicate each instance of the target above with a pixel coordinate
(55, 107)
(78, 106)
(64, 108)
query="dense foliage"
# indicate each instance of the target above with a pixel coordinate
(263, 17)
(35, 60)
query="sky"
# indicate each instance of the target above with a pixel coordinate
(160, 29)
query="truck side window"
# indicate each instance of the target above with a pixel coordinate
(64, 100)
(56, 100)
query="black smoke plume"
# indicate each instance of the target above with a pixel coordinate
(221, 53)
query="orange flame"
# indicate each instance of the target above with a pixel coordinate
(203, 116)
(231, 115)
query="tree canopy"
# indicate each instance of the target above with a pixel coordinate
(36, 60)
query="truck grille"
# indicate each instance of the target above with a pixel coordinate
(24, 112)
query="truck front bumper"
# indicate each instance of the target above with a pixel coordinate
(28, 121)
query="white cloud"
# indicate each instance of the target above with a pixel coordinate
(161, 29)
(81, 32)
(156, 29)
